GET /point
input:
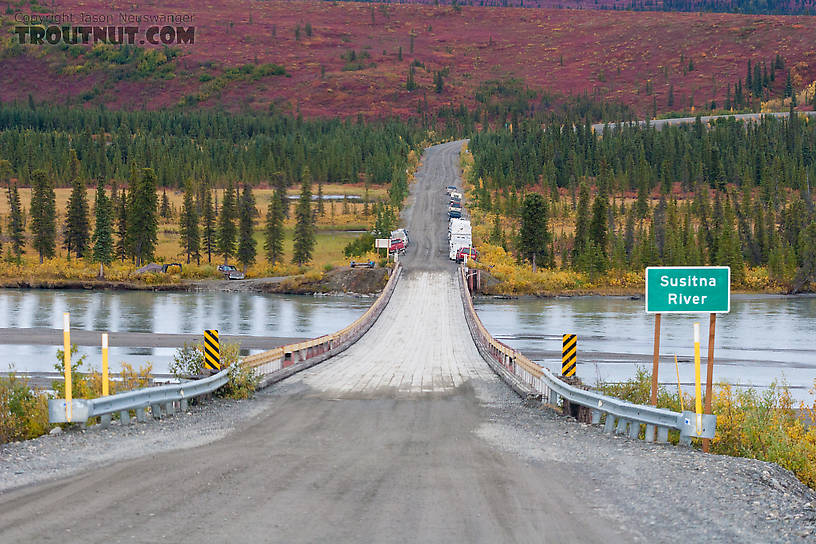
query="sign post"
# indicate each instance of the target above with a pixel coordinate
(691, 290)
(381, 243)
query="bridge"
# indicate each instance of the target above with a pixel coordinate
(406, 435)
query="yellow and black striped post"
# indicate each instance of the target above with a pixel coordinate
(212, 351)
(569, 355)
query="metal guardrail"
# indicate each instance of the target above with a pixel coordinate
(619, 416)
(273, 365)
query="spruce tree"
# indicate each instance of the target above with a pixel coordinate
(103, 229)
(208, 225)
(16, 223)
(246, 240)
(273, 231)
(143, 223)
(77, 224)
(43, 215)
(598, 230)
(122, 248)
(188, 226)
(534, 235)
(304, 235)
(581, 223)
(226, 224)
(165, 205)
(321, 211)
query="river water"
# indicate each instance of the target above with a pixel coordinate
(232, 313)
(764, 338)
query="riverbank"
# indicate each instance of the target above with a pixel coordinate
(361, 281)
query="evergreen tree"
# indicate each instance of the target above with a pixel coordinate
(188, 226)
(728, 252)
(273, 231)
(321, 211)
(581, 223)
(103, 229)
(77, 225)
(806, 273)
(43, 215)
(497, 234)
(304, 235)
(122, 248)
(165, 205)
(16, 223)
(143, 223)
(598, 232)
(534, 234)
(208, 224)
(246, 240)
(226, 224)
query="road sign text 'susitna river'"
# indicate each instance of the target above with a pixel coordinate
(688, 289)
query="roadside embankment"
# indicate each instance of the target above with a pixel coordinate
(364, 281)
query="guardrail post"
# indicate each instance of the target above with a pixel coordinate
(596, 417)
(183, 405)
(634, 429)
(124, 417)
(104, 420)
(141, 414)
(155, 409)
(553, 398)
(621, 428)
(609, 424)
(170, 408)
(662, 435)
(685, 440)
(650, 433)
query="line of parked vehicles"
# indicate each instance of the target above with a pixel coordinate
(460, 236)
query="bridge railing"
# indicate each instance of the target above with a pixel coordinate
(272, 366)
(619, 416)
(275, 364)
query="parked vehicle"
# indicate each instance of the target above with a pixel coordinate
(230, 272)
(468, 252)
(397, 245)
(400, 234)
(450, 189)
(365, 264)
(455, 213)
(457, 196)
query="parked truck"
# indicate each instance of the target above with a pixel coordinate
(459, 236)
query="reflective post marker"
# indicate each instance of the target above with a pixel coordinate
(212, 350)
(66, 337)
(698, 402)
(105, 391)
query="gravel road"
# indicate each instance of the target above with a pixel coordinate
(404, 437)
(660, 123)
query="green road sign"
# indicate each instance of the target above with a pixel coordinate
(688, 289)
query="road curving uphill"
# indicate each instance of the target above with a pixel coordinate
(408, 436)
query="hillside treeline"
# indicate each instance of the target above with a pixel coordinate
(211, 146)
(735, 194)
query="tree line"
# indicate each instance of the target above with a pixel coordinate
(731, 194)
(212, 146)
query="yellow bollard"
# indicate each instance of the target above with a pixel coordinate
(66, 336)
(105, 391)
(698, 403)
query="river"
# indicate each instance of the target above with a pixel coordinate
(232, 313)
(764, 338)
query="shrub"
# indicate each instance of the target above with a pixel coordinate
(188, 361)
(359, 246)
(23, 411)
(763, 426)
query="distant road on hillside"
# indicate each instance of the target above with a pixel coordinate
(660, 123)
